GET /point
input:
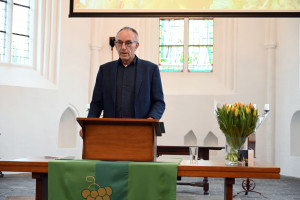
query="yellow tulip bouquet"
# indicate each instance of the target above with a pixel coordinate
(237, 122)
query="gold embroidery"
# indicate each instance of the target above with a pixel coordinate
(95, 191)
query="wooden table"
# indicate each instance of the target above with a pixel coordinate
(229, 173)
(204, 168)
(203, 153)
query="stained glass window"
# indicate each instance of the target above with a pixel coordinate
(171, 45)
(17, 29)
(200, 49)
(186, 45)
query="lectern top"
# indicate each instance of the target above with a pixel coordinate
(123, 121)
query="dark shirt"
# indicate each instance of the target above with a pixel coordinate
(125, 89)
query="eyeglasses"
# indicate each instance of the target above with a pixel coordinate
(120, 43)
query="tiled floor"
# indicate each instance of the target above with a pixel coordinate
(22, 187)
(285, 188)
(19, 185)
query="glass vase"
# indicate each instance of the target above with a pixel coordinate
(233, 145)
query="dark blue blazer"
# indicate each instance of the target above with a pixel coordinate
(149, 98)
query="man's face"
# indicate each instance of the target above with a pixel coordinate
(126, 45)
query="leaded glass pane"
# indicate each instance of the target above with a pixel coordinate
(3, 12)
(22, 2)
(2, 15)
(171, 59)
(20, 49)
(20, 40)
(21, 21)
(201, 32)
(200, 59)
(2, 29)
(2, 46)
(171, 32)
(199, 45)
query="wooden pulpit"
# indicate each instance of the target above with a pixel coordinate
(119, 139)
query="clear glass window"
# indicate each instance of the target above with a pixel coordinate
(20, 41)
(3, 32)
(16, 22)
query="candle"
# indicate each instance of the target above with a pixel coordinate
(267, 107)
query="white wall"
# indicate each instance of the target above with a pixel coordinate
(246, 60)
(249, 67)
(29, 117)
(287, 94)
(239, 75)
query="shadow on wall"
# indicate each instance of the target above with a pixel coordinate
(68, 128)
(295, 134)
(190, 139)
(212, 141)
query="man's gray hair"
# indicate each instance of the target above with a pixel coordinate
(129, 29)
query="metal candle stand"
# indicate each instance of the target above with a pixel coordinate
(248, 184)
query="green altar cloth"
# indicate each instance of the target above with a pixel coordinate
(111, 180)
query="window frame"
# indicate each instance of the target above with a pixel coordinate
(7, 61)
(43, 71)
(200, 45)
(178, 45)
(6, 32)
(186, 44)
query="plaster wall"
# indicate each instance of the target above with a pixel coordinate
(287, 94)
(29, 116)
(239, 75)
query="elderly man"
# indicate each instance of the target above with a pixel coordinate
(128, 87)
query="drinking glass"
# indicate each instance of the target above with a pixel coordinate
(193, 154)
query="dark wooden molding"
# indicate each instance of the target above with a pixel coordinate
(188, 14)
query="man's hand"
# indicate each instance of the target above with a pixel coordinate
(81, 133)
